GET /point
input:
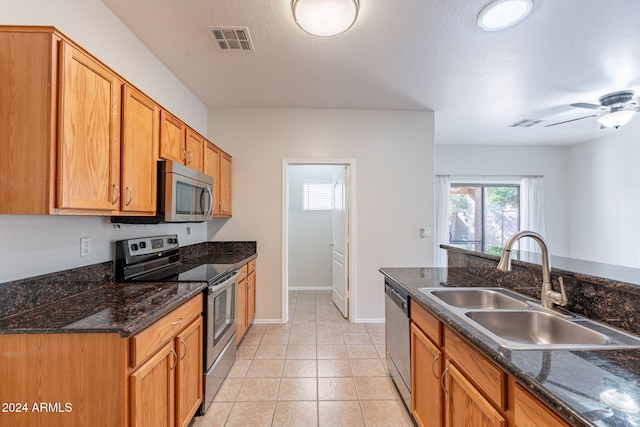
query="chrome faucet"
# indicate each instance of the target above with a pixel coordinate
(549, 297)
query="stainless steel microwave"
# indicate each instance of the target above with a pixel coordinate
(184, 195)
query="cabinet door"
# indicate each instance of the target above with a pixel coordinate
(225, 184)
(426, 369)
(195, 150)
(212, 156)
(242, 309)
(89, 133)
(189, 373)
(140, 133)
(251, 298)
(152, 390)
(172, 138)
(465, 405)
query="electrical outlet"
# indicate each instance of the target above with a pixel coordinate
(85, 246)
(188, 232)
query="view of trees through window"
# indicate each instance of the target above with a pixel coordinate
(483, 217)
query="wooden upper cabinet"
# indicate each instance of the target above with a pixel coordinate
(225, 184)
(194, 150)
(217, 164)
(89, 139)
(212, 156)
(140, 135)
(172, 137)
(28, 102)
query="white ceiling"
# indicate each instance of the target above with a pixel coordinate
(409, 55)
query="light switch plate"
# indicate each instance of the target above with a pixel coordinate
(85, 246)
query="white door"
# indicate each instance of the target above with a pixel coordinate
(340, 248)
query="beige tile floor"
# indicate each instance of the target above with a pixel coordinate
(316, 370)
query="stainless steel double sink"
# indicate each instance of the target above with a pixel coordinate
(517, 322)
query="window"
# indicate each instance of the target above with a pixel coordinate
(317, 196)
(482, 217)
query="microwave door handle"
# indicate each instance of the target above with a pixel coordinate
(210, 201)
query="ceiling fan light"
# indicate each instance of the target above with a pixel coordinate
(325, 17)
(501, 14)
(616, 118)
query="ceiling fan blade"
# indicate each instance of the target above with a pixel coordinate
(589, 106)
(572, 120)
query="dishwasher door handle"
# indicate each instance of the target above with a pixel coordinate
(398, 299)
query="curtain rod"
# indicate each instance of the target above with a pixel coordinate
(499, 177)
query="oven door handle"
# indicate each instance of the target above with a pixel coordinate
(219, 287)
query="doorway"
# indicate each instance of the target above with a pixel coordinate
(317, 212)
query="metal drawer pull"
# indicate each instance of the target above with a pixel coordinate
(176, 359)
(442, 380)
(185, 349)
(177, 322)
(432, 365)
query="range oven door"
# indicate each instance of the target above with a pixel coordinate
(221, 321)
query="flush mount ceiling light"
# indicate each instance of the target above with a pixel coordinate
(325, 17)
(616, 118)
(502, 14)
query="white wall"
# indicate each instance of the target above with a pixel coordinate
(393, 183)
(551, 162)
(310, 232)
(33, 245)
(605, 200)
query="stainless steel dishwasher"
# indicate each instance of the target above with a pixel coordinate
(396, 329)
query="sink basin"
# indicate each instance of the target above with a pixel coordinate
(537, 328)
(483, 299)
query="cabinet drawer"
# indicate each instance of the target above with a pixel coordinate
(530, 412)
(244, 270)
(426, 321)
(487, 377)
(252, 265)
(148, 341)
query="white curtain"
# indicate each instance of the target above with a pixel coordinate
(531, 210)
(443, 184)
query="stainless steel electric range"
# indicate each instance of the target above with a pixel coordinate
(157, 259)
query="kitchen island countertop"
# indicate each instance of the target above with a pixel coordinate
(569, 382)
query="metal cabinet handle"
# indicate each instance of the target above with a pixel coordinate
(175, 355)
(177, 322)
(184, 156)
(434, 364)
(442, 380)
(130, 194)
(190, 157)
(117, 193)
(184, 344)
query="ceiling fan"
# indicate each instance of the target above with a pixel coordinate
(616, 109)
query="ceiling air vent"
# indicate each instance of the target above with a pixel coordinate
(524, 123)
(232, 38)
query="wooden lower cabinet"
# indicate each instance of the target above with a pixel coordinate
(242, 310)
(152, 390)
(426, 369)
(530, 412)
(153, 378)
(465, 405)
(453, 384)
(246, 304)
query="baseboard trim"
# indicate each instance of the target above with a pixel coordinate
(369, 321)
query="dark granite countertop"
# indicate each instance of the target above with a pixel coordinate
(570, 382)
(88, 300)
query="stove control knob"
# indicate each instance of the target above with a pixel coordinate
(134, 247)
(143, 245)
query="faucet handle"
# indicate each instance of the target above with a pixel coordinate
(563, 299)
